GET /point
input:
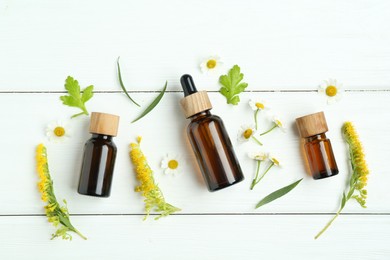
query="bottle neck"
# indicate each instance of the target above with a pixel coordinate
(201, 115)
(102, 136)
(321, 136)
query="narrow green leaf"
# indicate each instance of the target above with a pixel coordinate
(277, 194)
(122, 85)
(153, 104)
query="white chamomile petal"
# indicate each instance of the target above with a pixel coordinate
(257, 104)
(274, 160)
(171, 164)
(245, 133)
(258, 156)
(331, 89)
(278, 123)
(211, 64)
(58, 131)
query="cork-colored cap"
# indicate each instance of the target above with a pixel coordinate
(312, 124)
(196, 103)
(102, 123)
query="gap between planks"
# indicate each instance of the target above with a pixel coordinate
(180, 91)
(206, 214)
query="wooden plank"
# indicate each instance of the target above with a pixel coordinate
(278, 44)
(25, 116)
(200, 237)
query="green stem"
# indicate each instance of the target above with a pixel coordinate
(257, 174)
(257, 140)
(262, 176)
(329, 223)
(257, 111)
(78, 233)
(269, 130)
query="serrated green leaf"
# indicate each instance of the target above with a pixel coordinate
(277, 194)
(72, 86)
(75, 97)
(231, 86)
(122, 85)
(87, 94)
(153, 104)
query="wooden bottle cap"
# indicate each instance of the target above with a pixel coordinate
(312, 124)
(102, 123)
(196, 103)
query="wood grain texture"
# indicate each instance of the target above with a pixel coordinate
(163, 131)
(285, 49)
(279, 45)
(201, 237)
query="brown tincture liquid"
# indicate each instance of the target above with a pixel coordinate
(209, 140)
(99, 156)
(214, 151)
(318, 150)
(320, 157)
(98, 166)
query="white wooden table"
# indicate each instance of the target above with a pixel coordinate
(285, 49)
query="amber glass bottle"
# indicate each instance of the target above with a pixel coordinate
(209, 139)
(99, 156)
(317, 146)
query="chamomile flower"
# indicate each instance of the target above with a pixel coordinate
(274, 161)
(247, 133)
(171, 164)
(260, 158)
(276, 123)
(331, 89)
(58, 131)
(257, 105)
(211, 64)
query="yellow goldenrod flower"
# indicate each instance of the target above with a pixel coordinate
(358, 180)
(154, 199)
(54, 212)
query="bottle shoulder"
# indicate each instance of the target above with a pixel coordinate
(93, 141)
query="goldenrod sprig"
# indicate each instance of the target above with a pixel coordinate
(56, 214)
(360, 171)
(154, 199)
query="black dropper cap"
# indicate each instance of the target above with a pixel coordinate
(188, 85)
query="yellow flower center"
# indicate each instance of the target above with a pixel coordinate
(247, 133)
(275, 161)
(260, 105)
(211, 64)
(59, 131)
(173, 164)
(331, 91)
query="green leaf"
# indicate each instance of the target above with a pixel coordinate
(231, 86)
(277, 194)
(153, 104)
(122, 85)
(75, 97)
(87, 94)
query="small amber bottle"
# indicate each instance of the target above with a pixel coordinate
(99, 156)
(209, 139)
(317, 147)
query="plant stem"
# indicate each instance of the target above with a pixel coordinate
(257, 174)
(329, 223)
(78, 233)
(257, 111)
(262, 176)
(269, 130)
(257, 140)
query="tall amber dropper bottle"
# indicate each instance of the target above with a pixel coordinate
(209, 139)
